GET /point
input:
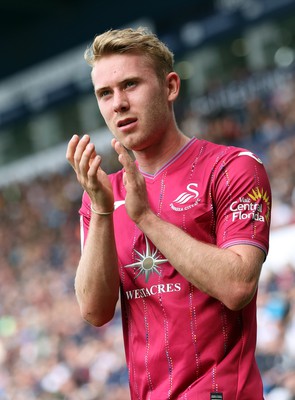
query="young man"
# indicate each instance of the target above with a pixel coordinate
(182, 232)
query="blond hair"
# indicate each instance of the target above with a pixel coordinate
(135, 41)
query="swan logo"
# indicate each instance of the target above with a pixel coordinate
(186, 200)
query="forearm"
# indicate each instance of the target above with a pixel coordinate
(97, 277)
(221, 273)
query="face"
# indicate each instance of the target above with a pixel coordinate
(134, 103)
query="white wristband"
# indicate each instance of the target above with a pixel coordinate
(100, 213)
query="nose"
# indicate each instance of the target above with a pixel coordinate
(121, 103)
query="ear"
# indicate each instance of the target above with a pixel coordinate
(173, 85)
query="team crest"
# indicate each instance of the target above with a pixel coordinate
(186, 200)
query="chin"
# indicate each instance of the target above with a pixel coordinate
(132, 143)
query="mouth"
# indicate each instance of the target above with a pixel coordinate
(126, 122)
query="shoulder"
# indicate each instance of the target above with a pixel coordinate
(225, 154)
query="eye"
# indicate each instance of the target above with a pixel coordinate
(129, 84)
(104, 93)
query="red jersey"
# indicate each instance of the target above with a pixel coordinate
(181, 343)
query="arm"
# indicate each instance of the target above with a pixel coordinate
(229, 275)
(97, 277)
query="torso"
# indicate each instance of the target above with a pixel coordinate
(181, 343)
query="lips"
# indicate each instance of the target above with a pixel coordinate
(125, 122)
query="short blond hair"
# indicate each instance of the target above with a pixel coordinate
(139, 41)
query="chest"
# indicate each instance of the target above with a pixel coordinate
(182, 197)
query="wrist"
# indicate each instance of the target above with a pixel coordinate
(146, 220)
(102, 213)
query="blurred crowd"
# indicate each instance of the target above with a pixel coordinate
(47, 351)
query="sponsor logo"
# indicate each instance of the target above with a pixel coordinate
(148, 262)
(187, 199)
(152, 291)
(255, 207)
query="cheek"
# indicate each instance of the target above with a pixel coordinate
(156, 110)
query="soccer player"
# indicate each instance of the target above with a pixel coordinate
(181, 231)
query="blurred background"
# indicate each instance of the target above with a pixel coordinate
(236, 60)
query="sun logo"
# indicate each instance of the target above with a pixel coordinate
(260, 193)
(148, 262)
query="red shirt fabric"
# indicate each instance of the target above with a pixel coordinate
(181, 343)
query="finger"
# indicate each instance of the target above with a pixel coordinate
(71, 149)
(113, 142)
(93, 169)
(87, 158)
(124, 157)
(119, 148)
(80, 148)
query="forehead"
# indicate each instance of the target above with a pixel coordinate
(114, 68)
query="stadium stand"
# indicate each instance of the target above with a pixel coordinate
(47, 351)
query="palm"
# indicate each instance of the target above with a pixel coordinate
(100, 190)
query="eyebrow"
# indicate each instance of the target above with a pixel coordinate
(102, 89)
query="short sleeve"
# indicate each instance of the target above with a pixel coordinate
(242, 200)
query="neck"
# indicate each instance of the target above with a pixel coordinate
(150, 160)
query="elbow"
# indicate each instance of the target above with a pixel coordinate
(240, 296)
(97, 311)
(97, 318)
